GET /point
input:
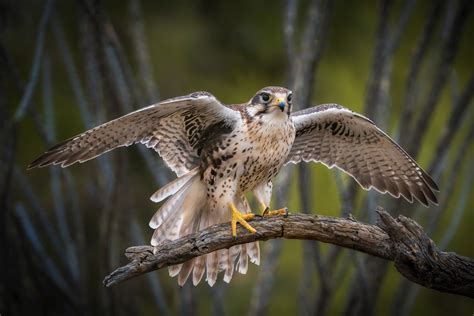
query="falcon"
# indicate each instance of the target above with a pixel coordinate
(220, 152)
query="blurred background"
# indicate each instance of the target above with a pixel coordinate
(66, 66)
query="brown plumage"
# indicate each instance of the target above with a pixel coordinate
(339, 137)
(221, 152)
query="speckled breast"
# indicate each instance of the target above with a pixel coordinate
(244, 158)
(269, 145)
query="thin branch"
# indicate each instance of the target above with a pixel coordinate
(302, 75)
(347, 198)
(461, 207)
(406, 294)
(387, 41)
(262, 290)
(153, 281)
(379, 58)
(55, 178)
(218, 299)
(137, 28)
(290, 11)
(454, 123)
(90, 48)
(35, 68)
(401, 240)
(48, 230)
(399, 30)
(311, 252)
(417, 62)
(123, 85)
(72, 72)
(48, 265)
(86, 115)
(260, 299)
(449, 50)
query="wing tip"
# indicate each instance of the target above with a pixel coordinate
(32, 165)
(39, 163)
(432, 184)
(425, 199)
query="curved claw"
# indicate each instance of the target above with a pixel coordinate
(266, 211)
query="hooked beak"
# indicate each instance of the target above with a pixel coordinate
(280, 103)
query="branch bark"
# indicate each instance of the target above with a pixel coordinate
(400, 240)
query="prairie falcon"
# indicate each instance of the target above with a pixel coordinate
(219, 152)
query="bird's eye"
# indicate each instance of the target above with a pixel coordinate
(289, 97)
(265, 97)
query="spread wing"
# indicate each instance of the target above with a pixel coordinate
(339, 137)
(176, 128)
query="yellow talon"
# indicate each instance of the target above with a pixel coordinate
(241, 218)
(266, 211)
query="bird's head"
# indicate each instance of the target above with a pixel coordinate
(271, 102)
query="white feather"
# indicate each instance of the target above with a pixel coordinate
(211, 268)
(253, 250)
(243, 260)
(173, 187)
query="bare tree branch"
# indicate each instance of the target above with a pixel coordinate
(387, 41)
(155, 284)
(401, 240)
(453, 126)
(34, 72)
(262, 290)
(449, 50)
(409, 99)
(142, 56)
(406, 294)
(302, 75)
(290, 12)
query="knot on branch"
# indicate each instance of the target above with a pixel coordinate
(414, 252)
(418, 258)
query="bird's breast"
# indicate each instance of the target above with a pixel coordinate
(268, 146)
(246, 157)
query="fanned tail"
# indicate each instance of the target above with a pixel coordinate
(186, 211)
(174, 186)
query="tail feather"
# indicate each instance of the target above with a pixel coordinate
(186, 211)
(168, 231)
(199, 268)
(173, 187)
(174, 270)
(186, 270)
(243, 260)
(211, 268)
(253, 250)
(173, 204)
(226, 264)
(200, 264)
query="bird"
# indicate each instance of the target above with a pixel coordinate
(221, 152)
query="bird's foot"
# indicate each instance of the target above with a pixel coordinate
(281, 211)
(238, 217)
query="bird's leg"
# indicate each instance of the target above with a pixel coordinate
(266, 211)
(238, 217)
